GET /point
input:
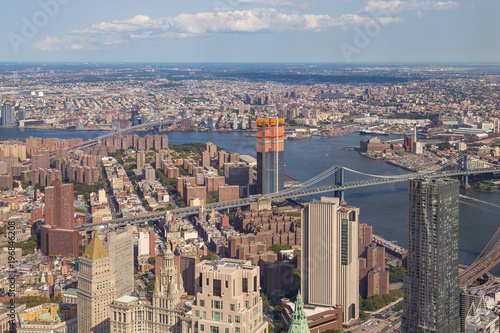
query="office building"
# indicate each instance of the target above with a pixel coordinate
(228, 298)
(58, 236)
(96, 288)
(120, 246)
(163, 313)
(270, 155)
(431, 284)
(8, 115)
(329, 263)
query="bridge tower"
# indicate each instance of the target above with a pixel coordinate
(463, 165)
(339, 180)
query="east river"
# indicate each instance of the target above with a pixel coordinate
(382, 206)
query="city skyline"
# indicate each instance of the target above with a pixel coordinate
(240, 30)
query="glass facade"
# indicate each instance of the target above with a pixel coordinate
(431, 286)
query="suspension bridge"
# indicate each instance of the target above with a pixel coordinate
(334, 176)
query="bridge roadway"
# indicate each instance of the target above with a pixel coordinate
(286, 194)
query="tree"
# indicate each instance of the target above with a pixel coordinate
(265, 304)
(151, 260)
(279, 247)
(209, 256)
(398, 307)
(279, 328)
(396, 274)
(277, 311)
(150, 286)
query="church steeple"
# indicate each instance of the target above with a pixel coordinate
(298, 324)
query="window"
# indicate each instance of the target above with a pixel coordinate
(202, 302)
(214, 329)
(231, 307)
(216, 315)
(247, 305)
(227, 284)
(201, 279)
(217, 287)
(196, 313)
(216, 304)
(237, 330)
(202, 327)
(226, 330)
(237, 319)
(204, 315)
(229, 319)
(245, 285)
(255, 283)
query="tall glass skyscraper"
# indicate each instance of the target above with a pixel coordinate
(431, 286)
(270, 155)
(8, 115)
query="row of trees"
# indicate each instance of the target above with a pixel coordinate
(377, 302)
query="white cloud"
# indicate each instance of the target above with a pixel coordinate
(49, 43)
(272, 3)
(397, 6)
(255, 20)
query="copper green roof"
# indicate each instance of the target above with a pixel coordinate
(298, 323)
(96, 249)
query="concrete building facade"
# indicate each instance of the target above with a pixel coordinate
(228, 298)
(329, 264)
(96, 288)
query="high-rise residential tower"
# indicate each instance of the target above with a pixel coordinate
(431, 285)
(96, 288)
(228, 298)
(8, 115)
(270, 155)
(330, 268)
(58, 235)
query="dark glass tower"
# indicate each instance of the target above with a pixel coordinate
(431, 286)
(270, 155)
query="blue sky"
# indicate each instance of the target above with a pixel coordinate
(339, 31)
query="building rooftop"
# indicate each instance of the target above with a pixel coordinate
(96, 249)
(127, 299)
(70, 291)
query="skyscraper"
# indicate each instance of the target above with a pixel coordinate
(270, 155)
(120, 246)
(8, 115)
(228, 297)
(96, 288)
(330, 268)
(58, 235)
(431, 285)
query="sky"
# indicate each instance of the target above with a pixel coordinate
(282, 31)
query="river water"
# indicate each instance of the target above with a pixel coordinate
(382, 206)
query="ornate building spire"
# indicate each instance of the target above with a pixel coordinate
(298, 324)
